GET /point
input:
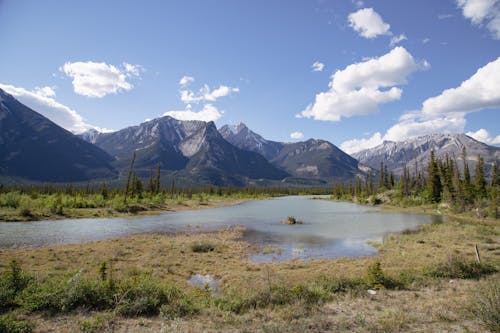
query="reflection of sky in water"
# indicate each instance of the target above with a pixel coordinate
(330, 229)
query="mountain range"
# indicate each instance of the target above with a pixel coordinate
(33, 148)
(415, 152)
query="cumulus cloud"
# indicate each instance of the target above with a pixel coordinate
(360, 88)
(206, 94)
(355, 145)
(208, 113)
(317, 66)
(42, 101)
(483, 12)
(446, 113)
(480, 91)
(485, 136)
(185, 80)
(98, 79)
(368, 23)
(45, 91)
(397, 39)
(296, 135)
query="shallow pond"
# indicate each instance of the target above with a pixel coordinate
(330, 229)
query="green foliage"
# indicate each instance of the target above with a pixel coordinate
(141, 295)
(12, 282)
(487, 305)
(457, 267)
(93, 324)
(9, 324)
(377, 279)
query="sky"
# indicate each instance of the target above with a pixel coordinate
(352, 72)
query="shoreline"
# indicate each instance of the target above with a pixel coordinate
(89, 213)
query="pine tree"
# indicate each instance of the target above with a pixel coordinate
(381, 179)
(129, 179)
(467, 184)
(150, 187)
(480, 182)
(434, 186)
(157, 179)
(495, 177)
(104, 190)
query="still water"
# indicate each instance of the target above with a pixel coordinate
(330, 229)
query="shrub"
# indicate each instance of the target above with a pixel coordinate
(202, 247)
(141, 295)
(457, 267)
(11, 283)
(342, 284)
(9, 324)
(93, 324)
(377, 279)
(487, 306)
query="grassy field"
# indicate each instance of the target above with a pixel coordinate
(423, 280)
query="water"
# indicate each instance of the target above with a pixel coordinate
(330, 229)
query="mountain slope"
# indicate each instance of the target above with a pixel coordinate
(417, 150)
(242, 137)
(195, 150)
(309, 159)
(33, 147)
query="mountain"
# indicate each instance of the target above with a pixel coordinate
(241, 136)
(33, 147)
(317, 159)
(195, 150)
(417, 150)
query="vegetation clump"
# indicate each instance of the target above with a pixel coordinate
(457, 267)
(291, 220)
(486, 308)
(202, 247)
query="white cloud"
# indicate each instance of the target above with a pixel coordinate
(480, 91)
(355, 145)
(206, 94)
(368, 23)
(317, 66)
(397, 39)
(134, 70)
(426, 40)
(418, 126)
(208, 113)
(446, 113)
(185, 80)
(98, 79)
(45, 91)
(483, 12)
(445, 16)
(41, 100)
(358, 3)
(361, 87)
(484, 136)
(296, 135)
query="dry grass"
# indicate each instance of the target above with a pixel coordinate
(428, 304)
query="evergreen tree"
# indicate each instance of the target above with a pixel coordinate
(129, 179)
(104, 190)
(480, 182)
(434, 186)
(157, 179)
(495, 177)
(150, 188)
(467, 184)
(381, 179)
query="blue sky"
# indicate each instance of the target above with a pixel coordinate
(387, 69)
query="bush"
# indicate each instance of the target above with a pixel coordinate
(376, 278)
(141, 295)
(457, 267)
(11, 283)
(202, 247)
(9, 324)
(487, 306)
(342, 284)
(93, 324)
(66, 295)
